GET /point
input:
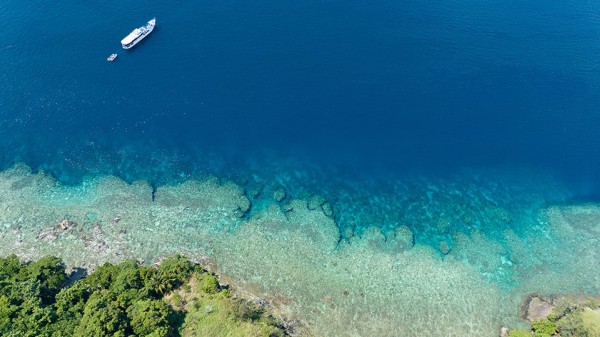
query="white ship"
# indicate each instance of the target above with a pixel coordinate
(138, 34)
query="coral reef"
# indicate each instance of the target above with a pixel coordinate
(383, 279)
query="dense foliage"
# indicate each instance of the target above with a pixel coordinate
(121, 300)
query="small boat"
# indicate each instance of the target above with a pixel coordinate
(112, 57)
(138, 34)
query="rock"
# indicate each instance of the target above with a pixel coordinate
(404, 237)
(327, 210)
(504, 332)
(328, 298)
(348, 233)
(96, 243)
(536, 307)
(315, 201)
(66, 224)
(444, 247)
(288, 207)
(76, 274)
(279, 194)
(261, 302)
(48, 234)
(244, 205)
(51, 234)
(63, 224)
(374, 238)
(255, 190)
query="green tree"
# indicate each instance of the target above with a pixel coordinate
(10, 267)
(7, 310)
(171, 273)
(127, 277)
(34, 319)
(123, 300)
(151, 317)
(70, 301)
(147, 273)
(102, 277)
(25, 314)
(544, 326)
(50, 272)
(210, 284)
(176, 265)
(101, 318)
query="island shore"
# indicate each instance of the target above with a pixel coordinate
(292, 253)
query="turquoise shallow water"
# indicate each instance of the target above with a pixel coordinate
(462, 255)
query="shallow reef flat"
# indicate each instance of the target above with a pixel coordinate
(373, 282)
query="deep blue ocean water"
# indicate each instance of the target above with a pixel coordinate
(390, 86)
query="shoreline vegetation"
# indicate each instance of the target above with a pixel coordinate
(172, 298)
(176, 297)
(558, 316)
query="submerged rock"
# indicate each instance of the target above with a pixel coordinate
(348, 233)
(444, 247)
(374, 238)
(279, 194)
(404, 237)
(51, 234)
(255, 190)
(67, 224)
(315, 201)
(244, 205)
(327, 210)
(397, 241)
(95, 242)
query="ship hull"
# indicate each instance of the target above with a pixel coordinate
(146, 30)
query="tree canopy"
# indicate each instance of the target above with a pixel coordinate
(115, 300)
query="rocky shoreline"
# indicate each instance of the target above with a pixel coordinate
(558, 315)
